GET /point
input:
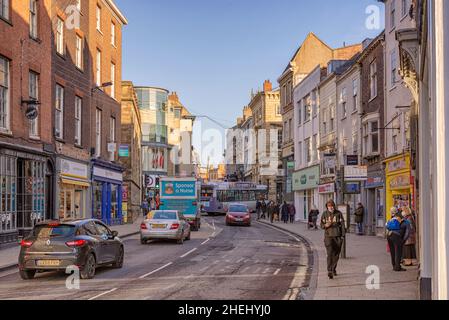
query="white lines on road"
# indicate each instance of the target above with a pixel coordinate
(186, 254)
(103, 294)
(157, 270)
(213, 225)
(277, 272)
(207, 240)
(240, 260)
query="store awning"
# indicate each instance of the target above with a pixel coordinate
(76, 182)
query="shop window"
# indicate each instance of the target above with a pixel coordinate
(8, 194)
(114, 204)
(97, 196)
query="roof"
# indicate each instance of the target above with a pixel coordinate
(117, 11)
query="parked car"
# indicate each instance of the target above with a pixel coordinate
(238, 214)
(54, 246)
(165, 225)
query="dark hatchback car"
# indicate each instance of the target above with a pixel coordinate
(54, 246)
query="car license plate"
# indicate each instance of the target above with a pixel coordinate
(48, 263)
(158, 226)
(239, 220)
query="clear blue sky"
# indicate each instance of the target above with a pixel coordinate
(213, 52)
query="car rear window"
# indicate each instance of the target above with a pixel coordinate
(165, 216)
(47, 231)
(238, 209)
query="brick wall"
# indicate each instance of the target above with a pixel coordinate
(25, 55)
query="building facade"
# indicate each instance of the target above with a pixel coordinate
(267, 121)
(105, 49)
(27, 166)
(306, 140)
(130, 153)
(398, 104)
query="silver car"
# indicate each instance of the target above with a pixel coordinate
(165, 225)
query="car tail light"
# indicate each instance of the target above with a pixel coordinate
(174, 226)
(54, 224)
(143, 226)
(26, 243)
(76, 243)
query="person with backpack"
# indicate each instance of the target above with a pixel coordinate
(264, 210)
(292, 213)
(397, 235)
(258, 208)
(333, 222)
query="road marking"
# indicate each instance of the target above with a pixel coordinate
(186, 254)
(240, 260)
(205, 242)
(153, 272)
(213, 225)
(267, 270)
(277, 272)
(204, 269)
(102, 294)
(213, 235)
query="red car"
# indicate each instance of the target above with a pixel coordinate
(238, 214)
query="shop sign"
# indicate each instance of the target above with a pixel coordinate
(326, 188)
(330, 161)
(356, 173)
(374, 182)
(291, 165)
(108, 174)
(123, 151)
(398, 182)
(74, 169)
(352, 160)
(397, 165)
(306, 179)
(125, 193)
(112, 147)
(352, 188)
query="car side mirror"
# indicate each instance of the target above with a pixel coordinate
(114, 234)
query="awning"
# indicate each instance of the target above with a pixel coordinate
(76, 182)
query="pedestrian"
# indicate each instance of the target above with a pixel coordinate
(333, 222)
(276, 210)
(145, 208)
(292, 212)
(313, 218)
(258, 208)
(285, 212)
(264, 210)
(397, 235)
(359, 218)
(409, 250)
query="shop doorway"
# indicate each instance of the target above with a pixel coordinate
(71, 203)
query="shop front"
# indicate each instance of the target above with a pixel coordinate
(25, 192)
(399, 189)
(305, 185)
(326, 192)
(73, 190)
(107, 193)
(374, 202)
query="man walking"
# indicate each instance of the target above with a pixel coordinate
(258, 209)
(332, 221)
(285, 212)
(359, 217)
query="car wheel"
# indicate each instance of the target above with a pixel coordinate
(143, 241)
(180, 241)
(27, 274)
(118, 264)
(89, 268)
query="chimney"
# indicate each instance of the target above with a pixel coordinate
(267, 86)
(173, 97)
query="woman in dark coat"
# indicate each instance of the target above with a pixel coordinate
(285, 212)
(409, 250)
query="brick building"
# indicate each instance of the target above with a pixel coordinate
(105, 49)
(26, 164)
(371, 64)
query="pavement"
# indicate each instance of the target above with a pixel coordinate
(364, 253)
(9, 253)
(218, 263)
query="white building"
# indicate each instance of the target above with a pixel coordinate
(348, 126)
(306, 141)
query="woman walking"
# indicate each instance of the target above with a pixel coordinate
(292, 212)
(409, 250)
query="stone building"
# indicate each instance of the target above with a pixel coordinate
(267, 126)
(130, 153)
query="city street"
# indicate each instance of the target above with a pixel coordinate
(218, 263)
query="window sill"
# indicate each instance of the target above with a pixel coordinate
(37, 40)
(370, 100)
(6, 21)
(79, 69)
(35, 138)
(100, 32)
(6, 132)
(393, 88)
(403, 17)
(113, 45)
(61, 55)
(354, 112)
(60, 140)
